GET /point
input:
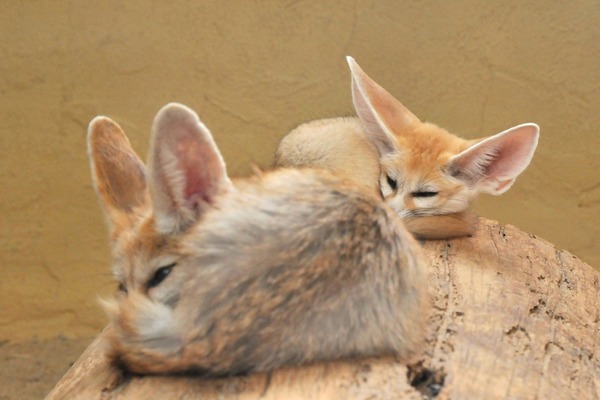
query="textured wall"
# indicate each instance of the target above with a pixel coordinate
(253, 70)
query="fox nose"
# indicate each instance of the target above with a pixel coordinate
(408, 202)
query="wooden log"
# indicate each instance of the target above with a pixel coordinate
(512, 318)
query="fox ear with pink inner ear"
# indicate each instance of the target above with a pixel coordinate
(493, 164)
(186, 169)
(118, 173)
(378, 110)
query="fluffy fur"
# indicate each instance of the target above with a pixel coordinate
(427, 175)
(285, 268)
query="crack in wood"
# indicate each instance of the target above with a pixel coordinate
(520, 340)
(430, 381)
(426, 381)
(540, 307)
(503, 233)
(564, 282)
(491, 234)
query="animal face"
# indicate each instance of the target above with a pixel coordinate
(426, 170)
(147, 263)
(150, 208)
(415, 182)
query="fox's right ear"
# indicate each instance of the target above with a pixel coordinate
(118, 173)
(379, 111)
(186, 169)
(493, 164)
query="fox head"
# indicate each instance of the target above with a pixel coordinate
(149, 210)
(426, 170)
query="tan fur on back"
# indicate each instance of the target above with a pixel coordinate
(342, 147)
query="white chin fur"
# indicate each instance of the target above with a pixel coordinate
(154, 324)
(155, 319)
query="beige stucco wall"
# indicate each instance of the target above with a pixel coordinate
(253, 70)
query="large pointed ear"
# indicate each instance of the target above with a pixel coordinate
(118, 173)
(187, 171)
(379, 111)
(493, 164)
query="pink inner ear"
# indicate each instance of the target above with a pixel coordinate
(368, 117)
(513, 152)
(187, 168)
(201, 172)
(391, 112)
(498, 167)
(493, 164)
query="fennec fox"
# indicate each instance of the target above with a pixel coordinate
(420, 169)
(285, 268)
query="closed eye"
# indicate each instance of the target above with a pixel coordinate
(159, 276)
(424, 194)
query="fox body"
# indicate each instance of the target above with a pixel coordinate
(420, 169)
(285, 268)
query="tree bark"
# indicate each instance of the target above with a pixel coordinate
(512, 317)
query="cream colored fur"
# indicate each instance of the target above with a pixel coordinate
(429, 176)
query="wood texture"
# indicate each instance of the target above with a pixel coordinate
(512, 317)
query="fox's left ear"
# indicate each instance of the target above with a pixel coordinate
(379, 111)
(186, 169)
(493, 164)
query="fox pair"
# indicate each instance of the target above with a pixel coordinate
(293, 266)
